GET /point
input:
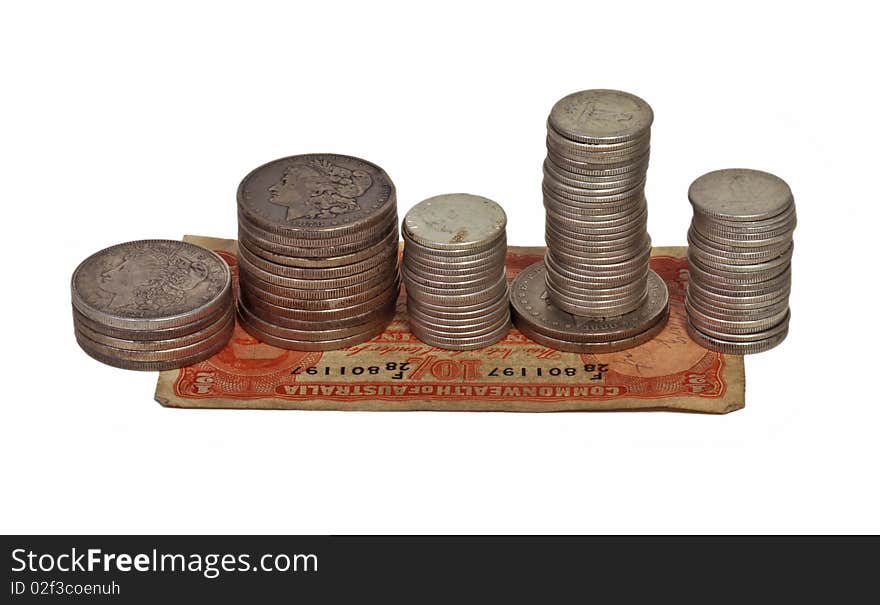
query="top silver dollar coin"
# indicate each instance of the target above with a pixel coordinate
(601, 116)
(456, 221)
(740, 194)
(151, 284)
(316, 195)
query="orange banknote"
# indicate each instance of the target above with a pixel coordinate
(396, 371)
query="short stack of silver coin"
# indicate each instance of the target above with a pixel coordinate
(318, 252)
(455, 248)
(739, 257)
(152, 305)
(598, 247)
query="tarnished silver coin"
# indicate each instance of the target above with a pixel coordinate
(604, 270)
(711, 310)
(732, 305)
(735, 280)
(566, 142)
(163, 344)
(456, 221)
(351, 319)
(323, 319)
(710, 313)
(735, 348)
(368, 233)
(588, 170)
(718, 257)
(599, 236)
(557, 175)
(316, 195)
(583, 282)
(594, 308)
(314, 334)
(158, 334)
(588, 200)
(739, 194)
(585, 250)
(597, 212)
(599, 232)
(169, 358)
(378, 271)
(585, 210)
(461, 343)
(334, 289)
(600, 256)
(388, 253)
(780, 282)
(729, 327)
(601, 116)
(723, 266)
(491, 316)
(484, 295)
(536, 310)
(462, 312)
(597, 223)
(459, 284)
(308, 345)
(441, 271)
(329, 303)
(597, 157)
(749, 337)
(755, 251)
(151, 285)
(153, 366)
(330, 250)
(739, 299)
(492, 254)
(461, 331)
(332, 261)
(609, 346)
(745, 231)
(595, 294)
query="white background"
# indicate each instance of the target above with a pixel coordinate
(122, 122)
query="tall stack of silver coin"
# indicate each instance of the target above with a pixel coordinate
(454, 271)
(152, 304)
(318, 252)
(598, 247)
(739, 258)
(594, 195)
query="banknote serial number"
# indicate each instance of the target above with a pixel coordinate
(595, 371)
(393, 369)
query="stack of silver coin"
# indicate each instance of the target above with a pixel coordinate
(318, 252)
(739, 258)
(598, 248)
(152, 304)
(454, 271)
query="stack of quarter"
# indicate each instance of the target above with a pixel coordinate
(454, 271)
(739, 259)
(152, 304)
(598, 248)
(318, 252)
